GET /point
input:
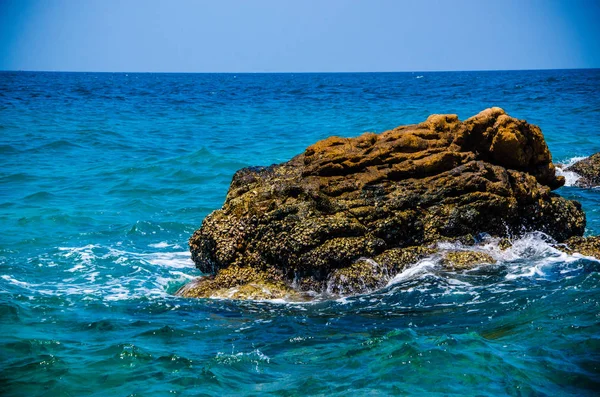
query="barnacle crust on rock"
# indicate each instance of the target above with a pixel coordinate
(357, 209)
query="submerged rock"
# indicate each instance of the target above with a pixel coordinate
(347, 212)
(588, 170)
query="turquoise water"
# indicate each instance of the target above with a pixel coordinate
(104, 177)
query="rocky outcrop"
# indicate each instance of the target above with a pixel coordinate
(587, 246)
(347, 212)
(588, 170)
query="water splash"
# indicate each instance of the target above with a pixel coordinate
(571, 177)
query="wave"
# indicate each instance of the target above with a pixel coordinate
(8, 149)
(17, 178)
(572, 160)
(56, 145)
(39, 196)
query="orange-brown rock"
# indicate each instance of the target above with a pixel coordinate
(344, 199)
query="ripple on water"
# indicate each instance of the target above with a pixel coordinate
(105, 167)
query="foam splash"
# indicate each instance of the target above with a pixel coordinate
(255, 358)
(569, 162)
(571, 177)
(532, 256)
(420, 269)
(164, 244)
(528, 256)
(173, 260)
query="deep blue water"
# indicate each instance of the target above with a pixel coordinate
(103, 177)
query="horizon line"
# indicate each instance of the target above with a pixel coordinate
(295, 72)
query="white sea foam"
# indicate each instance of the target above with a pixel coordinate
(16, 282)
(176, 260)
(573, 160)
(94, 272)
(84, 254)
(77, 267)
(571, 177)
(164, 244)
(183, 275)
(528, 256)
(255, 357)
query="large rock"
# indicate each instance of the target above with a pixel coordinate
(589, 171)
(348, 211)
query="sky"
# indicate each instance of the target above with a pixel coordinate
(298, 36)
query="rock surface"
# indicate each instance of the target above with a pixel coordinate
(239, 283)
(347, 212)
(463, 260)
(588, 246)
(589, 171)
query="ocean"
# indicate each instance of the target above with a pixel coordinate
(105, 176)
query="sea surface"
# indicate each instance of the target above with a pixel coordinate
(104, 177)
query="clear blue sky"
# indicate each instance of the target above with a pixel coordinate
(299, 35)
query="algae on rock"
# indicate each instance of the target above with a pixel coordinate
(588, 246)
(325, 213)
(239, 283)
(462, 260)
